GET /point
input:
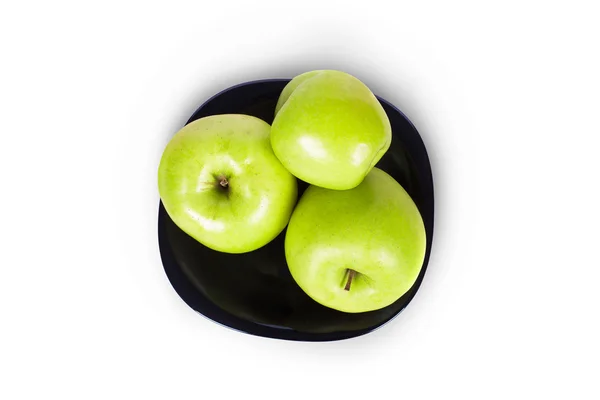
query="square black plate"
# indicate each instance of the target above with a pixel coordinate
(254, 292)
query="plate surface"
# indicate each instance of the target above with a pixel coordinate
(254, 292)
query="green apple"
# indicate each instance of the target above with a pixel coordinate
(356, 250)
(329, 129)
(221, 183)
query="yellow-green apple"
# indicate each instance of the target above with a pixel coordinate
(220, 182)
(356, 250)
(329, 129)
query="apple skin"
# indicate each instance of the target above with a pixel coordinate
(329, 121)
(291, 86)
(260, 194)
(374, 229)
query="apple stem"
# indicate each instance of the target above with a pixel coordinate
(223, 181)
(351, 274)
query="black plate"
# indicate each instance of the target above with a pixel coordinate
(254, 292)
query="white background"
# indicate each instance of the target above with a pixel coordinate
(506, 97)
